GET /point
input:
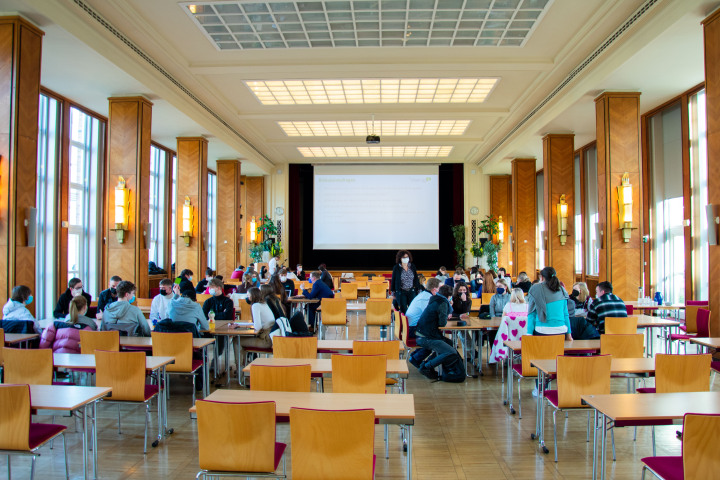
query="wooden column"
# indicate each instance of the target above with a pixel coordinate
(524, 217)
(559, 179)
(500, 206)
(129, 138)
(20, 52)
(254, 193)
(712, 98)
(229, 217)
(618, 152)
(192, 182)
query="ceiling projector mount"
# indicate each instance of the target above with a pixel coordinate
(372, 138)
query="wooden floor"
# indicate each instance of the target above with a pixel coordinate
(462, 431)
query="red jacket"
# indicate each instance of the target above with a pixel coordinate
(65, 340)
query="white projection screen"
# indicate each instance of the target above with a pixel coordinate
(375, 207)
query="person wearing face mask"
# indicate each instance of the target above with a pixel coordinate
(442, 274)
(75, 288)
(110, 295)
(161, 302)
(185, 280)
(499, 300)
(202, 284)
(220, 304)
(319, 290)
(404, 284)
(298, 274)
(237, 273)
(286, 281)
(123, 311)
(64, 337)
(15, 308)
(502, 275)
(461, 300)
(249, 281)
(454, 280)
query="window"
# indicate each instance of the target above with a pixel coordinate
(47, 205)
(212, 221)
(84, 216)
(592, 245)
(540, 231)
(173, 229)
(699, 193)
(578, 215)
(157, 202)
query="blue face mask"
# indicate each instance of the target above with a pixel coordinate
(132, 300)
(29, 300)
(500, 291)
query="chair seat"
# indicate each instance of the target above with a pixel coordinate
(279, 450)
(151, 391)
(641, 423)
(552, 397)
(258, 349)
(42, 432)
(715, 366)
(668, 468)
(411, 343)
(682, 336)
(683, 328)
(645, 390)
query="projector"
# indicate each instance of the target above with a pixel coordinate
(372, 139)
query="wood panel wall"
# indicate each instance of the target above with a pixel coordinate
(129, 140)
(20, 56)
(559, 179)
(618, 149)
(192, 181)
(229, 218)
(524, 215)
(501, 205)
(254, 207)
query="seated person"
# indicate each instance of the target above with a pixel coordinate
(237, 273)
(202, 284)
(184, 308)
(263, 321)
(287, 282)
(161, 301)
(15, 308)
(223, 306)
(123, 312)
(442, 274)
(499, 300)
(476, 280)
(606, 304)
(185, 280)
(452, 281)
(75, 288)
(517, 306)
(581, 296)
(109, 295)
(461, 301)
(67, 340)
(319, 290)
(326, 278)
(419, 303)
(523, 282)
(250, 280)
(428, 331)
(502, 275)
(421, 280)
(298, 274)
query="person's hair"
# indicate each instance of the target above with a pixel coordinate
(250, 269)
(400, 254)
(278, 287)
(74, 281)
(583, 289)
(502, 269)
(166, 282)
(219, 277)
(322, 267)
(517, 296)
(445, 291)
(439, 272)
(189, 293)
(606, 287)
(124, 288)
(298, 265)
(255, 296)
(421, 278)
(186, 273)
(115, 278)
(432, 283)
(551, 280)
(216, 282)
(488, 283)
(76, 306)
(248, 275)
(283, 271)
(493, 273)
(270, 297)
(240, 267)
(456, 290)
(209, 272)
(474, 273)
(460, 271)
(523, 277)
(20, 293)
(316, 274)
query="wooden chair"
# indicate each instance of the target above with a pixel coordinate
(701, 327)
(363, 278)
(691, 311)
(291, 378)
(201, 297)
(535, 348)
(486, 298)
(397, 325)
(18, 435)
(245, 311)
(378, 289)
(405, 334)
(143, 302)
(2, 345)
(475, 306)
(349, 291)
(391, 349)
(90, 341)
(298, 347)
(699, 459)
(180, 346)
(378, 312)
(622, 346)
(334, 314)
(124, 372)
(359, 373)
(577, 376)
(238, 439)
(330, 444)
(28, 366)
(621, 325)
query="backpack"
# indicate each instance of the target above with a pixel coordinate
(281, 328)
(453, 370)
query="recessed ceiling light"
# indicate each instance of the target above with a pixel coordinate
(376, 152)
(386, 128)
(386, 90)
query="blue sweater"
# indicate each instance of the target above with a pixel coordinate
(319, 290)
(557, 316)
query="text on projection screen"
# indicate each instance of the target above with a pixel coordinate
(373, 207)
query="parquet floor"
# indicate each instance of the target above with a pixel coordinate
(462, 431)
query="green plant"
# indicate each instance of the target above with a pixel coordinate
(256, 250)
(489, 226)
(458, 232)
(490, 250)
(268, 231)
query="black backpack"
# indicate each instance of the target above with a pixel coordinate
(453, 370)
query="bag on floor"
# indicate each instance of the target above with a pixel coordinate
(453, 371)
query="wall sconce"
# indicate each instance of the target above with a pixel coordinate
(501, 229)
(187, 221)
(121, 209)
(562, 216)
(253, 229)
(625, 203)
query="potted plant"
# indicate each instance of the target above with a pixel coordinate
(459, 235)
(486, 247)
(268, 231)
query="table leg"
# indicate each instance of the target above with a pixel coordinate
(206, 372)
(479, 354)
(602, 452)
(227, 341)
(409, 452)
(94, 436)
(595, 423)
(85, 442)
(538, 410)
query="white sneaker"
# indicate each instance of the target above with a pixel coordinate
(534, 392)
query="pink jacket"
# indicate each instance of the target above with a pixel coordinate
(65, 340)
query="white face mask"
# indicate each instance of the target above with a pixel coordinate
(299, 269)
(212, 291)
(76, 292)
(406, 260)
(190, 278)
(283, 279)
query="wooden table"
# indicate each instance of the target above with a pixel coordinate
(464, 335)
(329, 346)
(706, 342)
(646, 406)
(301, 302)
(77, 360)
(389, 409)
(225, 330)
(198, 344)
(15, 338)
(649, 322)
(70, 398)
(395, 368)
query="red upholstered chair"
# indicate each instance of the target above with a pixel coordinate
(629, 309)
(702, 324)
(694, 303)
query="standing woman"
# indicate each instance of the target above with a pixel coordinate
(404, 283)
(547, 306)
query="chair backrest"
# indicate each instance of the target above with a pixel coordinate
(623, 345)
(2, 344)
(359, 373)
(201, 297)
(363, 278)
(143, 302)
(378, 310)
(124, 329)
(578, 376)
(378, 289)
(30, 366)
(398, 324)
(701, 434)
(361, 283)
(703, 322)
(178, 345)
(475, 304)
(124, 372)
(486, 296)
(295, 347)
(621, 325)
(330, 444)
(245, 311)
(628, 308)
(539, 348)
(405, 328)
(682, 373)
(237, 437)
(389, 348)
(91, 341)
(691, 312)
(349, 290)
(334, 311)
(15, 417)
(280, 378)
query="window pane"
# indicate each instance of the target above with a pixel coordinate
(173, 229)
(578, 217)
(157, 208)
(540, 230)
(699, 194)
(592, 245)
(212, 221)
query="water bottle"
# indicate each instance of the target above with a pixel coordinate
(658, 298)
(640, 296)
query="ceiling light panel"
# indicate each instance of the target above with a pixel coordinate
(386, 90)
(247, 24)
(386, 128)
(376, 152)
